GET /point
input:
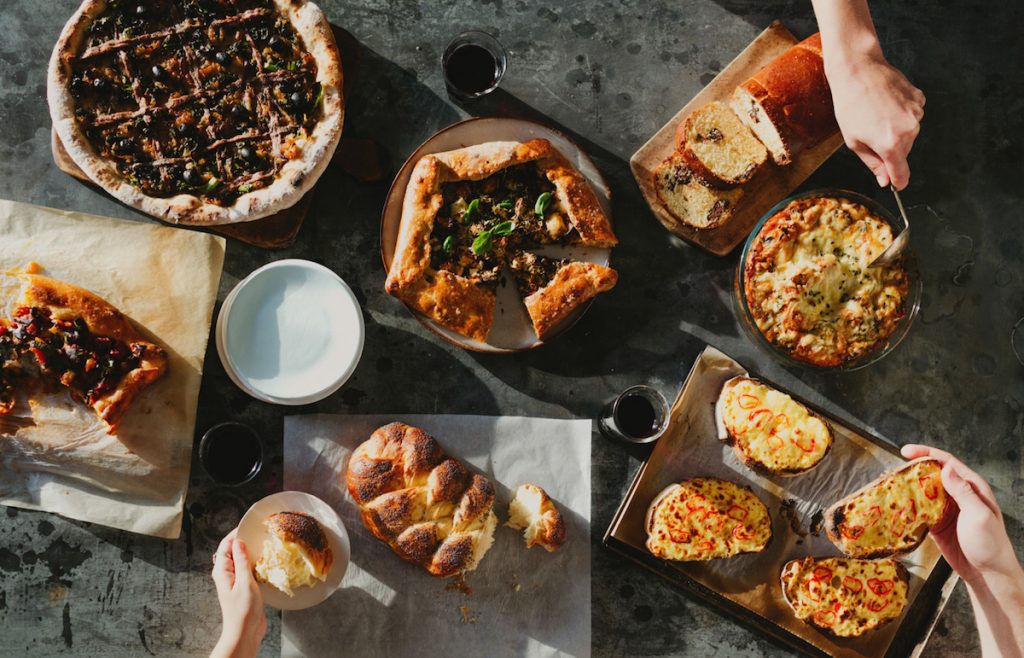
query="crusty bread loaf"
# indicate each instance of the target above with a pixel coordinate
(891, 515)
(706, 518)
(533, 512)
(770, 431)
(425, 505)
(296, 554)
(788, 103)
(845, 597)
(718, 147)
(690, 201)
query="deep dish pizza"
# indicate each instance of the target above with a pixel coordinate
(809, 285)
(199, 111)
(471, 213)
(61, 337)
(845, 597)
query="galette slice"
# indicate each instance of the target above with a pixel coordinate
(553, 288)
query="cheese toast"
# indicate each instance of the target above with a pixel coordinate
(705, 518)
(770, 432)
(891, 515)
(845, 597)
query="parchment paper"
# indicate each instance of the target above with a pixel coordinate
(691, 449)
(524, 602)
(165, 280)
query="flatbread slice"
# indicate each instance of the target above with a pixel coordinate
(553, 289)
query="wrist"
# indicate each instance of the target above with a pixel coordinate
(1006, 580)
(233, 645)
(852, 51)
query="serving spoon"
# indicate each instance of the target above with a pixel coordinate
(899, 243)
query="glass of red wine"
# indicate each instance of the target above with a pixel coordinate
(638, 415)
(231, 453)
(473, 64)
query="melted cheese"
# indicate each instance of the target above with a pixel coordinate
(845, 596)
(705, 518)
(889, 514)
(770, 428)
(284, 565)
(809, 285)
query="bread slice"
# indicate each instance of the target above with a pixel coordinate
(706, 518)
(788, 103)
(533, 512)
(718, 147)
(296, 554)
(891, 515)
(770, 432)
(845, 597)
(688, 199)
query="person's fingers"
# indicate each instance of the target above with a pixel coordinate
(243, 571)
(897, 169)
(916, 450)
(223, 567)
(917, 109)
(873, 162)
(919, 97)
(964, 493)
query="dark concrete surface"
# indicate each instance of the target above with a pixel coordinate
(611, 72)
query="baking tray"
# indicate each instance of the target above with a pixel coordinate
(771, 184)
(747, 587)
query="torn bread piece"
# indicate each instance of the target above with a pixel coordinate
(296, 554)
(533, 512)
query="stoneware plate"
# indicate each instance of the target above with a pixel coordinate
(512, 330)
(252, 531)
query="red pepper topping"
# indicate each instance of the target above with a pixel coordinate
(821, 573)
(759, 417)
(825, 617)
(814, 590)
(877, 605)
(748, 401)
(851, 531)
(853, 584)
(737, 512)
(743, 532)
(874, 516)
(880, 587)
(929, 486)
(691, 502)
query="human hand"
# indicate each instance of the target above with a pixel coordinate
(971, 534)
(241, 606)
(879, 112)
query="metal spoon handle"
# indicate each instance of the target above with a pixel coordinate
(899, 203)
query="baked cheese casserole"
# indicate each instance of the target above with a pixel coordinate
(809, 287)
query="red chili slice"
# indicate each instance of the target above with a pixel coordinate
(715, 522)
(779, 422)
(775, 442)
(737, 512)
(853, 584)
(851, 531)
(929, 486)
(748, 401)
(706, 545)
(880, 587)
(743, 532)
(759, 417)
(807, 447)
(825, 617)
(679, 535)
(874, 516)
(814, 590)
(878, 605)
(821, 573)
(691, 504)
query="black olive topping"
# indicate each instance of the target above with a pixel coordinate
(190, 176)
(245, 152)
(158, 71)
(221, 57)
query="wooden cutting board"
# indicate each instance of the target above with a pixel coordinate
(771, 185)
(359, 158)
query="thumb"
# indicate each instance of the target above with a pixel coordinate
(967, 499)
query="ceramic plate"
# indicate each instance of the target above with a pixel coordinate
(252, 531)
(512, 330)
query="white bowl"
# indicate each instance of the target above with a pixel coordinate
(253, 532)
(290, 333)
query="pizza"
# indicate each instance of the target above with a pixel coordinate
(706, 518)
(63, 337)
(474, 213)
(891, 515)
(809, 286)
(770, 432)
(845, 597)
(199, 111)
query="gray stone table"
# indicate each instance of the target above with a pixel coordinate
(611, 72)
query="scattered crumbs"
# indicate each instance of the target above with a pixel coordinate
(817, 521)
(459, 584)
(515, 583)
(788, 510)
(467, 615)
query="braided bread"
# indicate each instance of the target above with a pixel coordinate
(422, 503)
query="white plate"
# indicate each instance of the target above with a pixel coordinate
(252, 531)
(512, 330)
(290, 333)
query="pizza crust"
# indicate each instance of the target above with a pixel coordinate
(573, 285)
(293, 181)
(64, 300)
(410, 277)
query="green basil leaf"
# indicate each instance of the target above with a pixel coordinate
(244, 188)
(212, 184)
(271, 68)
(503, 229)
(471, 208)
(292, 66)
(449, 244)
(319, 98)
(543, 201)
(482, 243)
(507, 204)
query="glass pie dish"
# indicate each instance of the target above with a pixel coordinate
(911, 302)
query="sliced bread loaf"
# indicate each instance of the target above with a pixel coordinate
(718, 147)
(689, 200)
